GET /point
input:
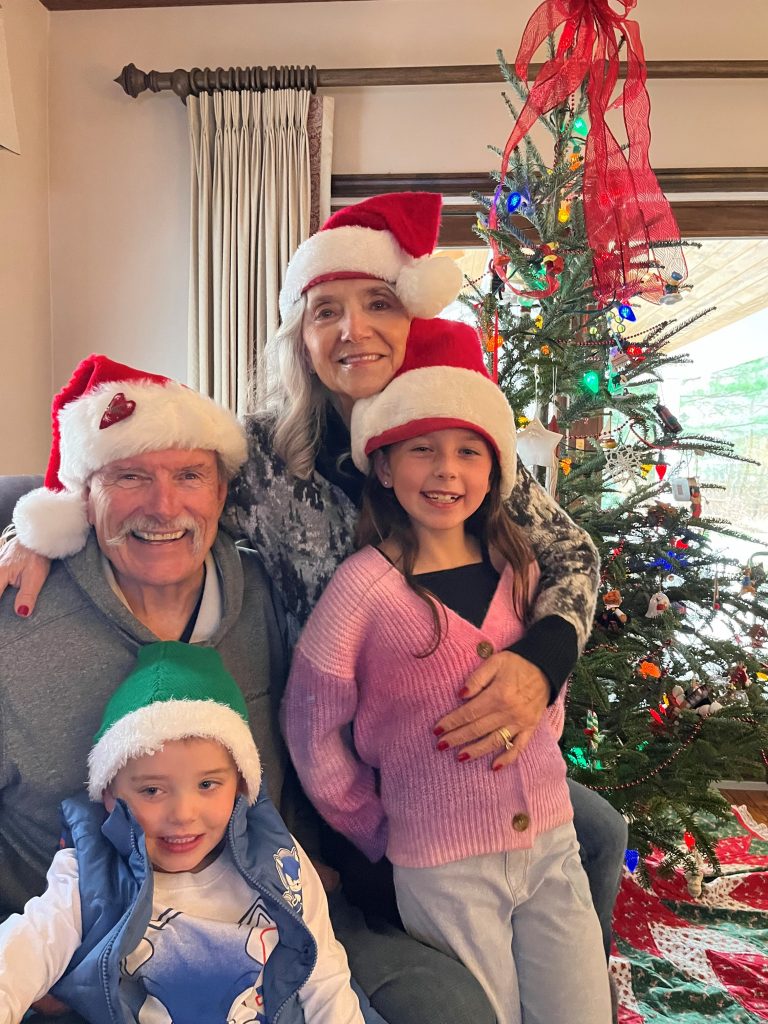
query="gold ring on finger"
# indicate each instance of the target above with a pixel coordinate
(506, 736)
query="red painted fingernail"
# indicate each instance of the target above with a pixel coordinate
(22, 610)
(464, 756)
(464, 691)
(443, 745)
(498, 767)
(438, 730)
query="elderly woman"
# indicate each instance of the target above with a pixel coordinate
(346, 306)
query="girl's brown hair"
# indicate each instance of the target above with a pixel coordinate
(382, 517)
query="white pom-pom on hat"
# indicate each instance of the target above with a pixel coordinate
(427, 286)
(52, 523)
(389, 238)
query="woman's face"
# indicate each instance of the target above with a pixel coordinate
(355, 332)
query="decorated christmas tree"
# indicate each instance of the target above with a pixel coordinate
(668, 697)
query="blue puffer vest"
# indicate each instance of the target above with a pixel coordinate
(116, 887)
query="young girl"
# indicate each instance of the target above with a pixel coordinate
(486, 862)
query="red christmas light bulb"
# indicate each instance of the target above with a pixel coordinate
(690, 841)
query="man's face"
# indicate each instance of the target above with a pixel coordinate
(156, 515)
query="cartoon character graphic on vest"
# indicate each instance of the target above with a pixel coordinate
(182, 897)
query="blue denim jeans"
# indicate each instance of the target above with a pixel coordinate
(602, 835)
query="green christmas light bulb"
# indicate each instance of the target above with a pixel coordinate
(591, 381)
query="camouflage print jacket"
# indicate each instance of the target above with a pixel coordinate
(303, 529)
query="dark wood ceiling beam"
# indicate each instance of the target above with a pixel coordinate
(112, 5)
(671, 179)
(720, 219)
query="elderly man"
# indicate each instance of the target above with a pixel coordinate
(135, 486)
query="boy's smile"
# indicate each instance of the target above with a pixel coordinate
(182, 796)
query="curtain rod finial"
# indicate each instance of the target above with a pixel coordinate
(132, 80)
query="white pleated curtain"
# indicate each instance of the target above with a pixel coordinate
(260, 186)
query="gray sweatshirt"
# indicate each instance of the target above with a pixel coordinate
(58, 669)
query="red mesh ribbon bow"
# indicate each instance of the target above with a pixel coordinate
(624, 208)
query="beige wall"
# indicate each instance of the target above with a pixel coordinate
(119, 179)
(25, 334)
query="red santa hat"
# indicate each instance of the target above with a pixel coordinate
(442, 383)
(389, 238)
(109, 411)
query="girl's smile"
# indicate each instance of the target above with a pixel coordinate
(440, 478)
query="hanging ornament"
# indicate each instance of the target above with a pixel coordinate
(738, 678)
(593, 731)
(492, 342)
(618, 359)
(649, 670)
(694, 870)
(623, 463)
(670, 423)
(537, 446)
(612, 618)
(747, 586)
(671, 293)
(697, 697)
(608, 442)
(695, 489)
(658, 604)
(635, 353)
(662, 515)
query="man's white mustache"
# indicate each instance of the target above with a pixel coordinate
(146, 524)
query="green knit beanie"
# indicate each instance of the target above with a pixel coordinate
(176, 691)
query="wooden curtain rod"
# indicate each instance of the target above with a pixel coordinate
(197, 80)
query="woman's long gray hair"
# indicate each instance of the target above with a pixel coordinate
(295, 397)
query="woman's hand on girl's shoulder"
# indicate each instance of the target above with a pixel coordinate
(25, 570)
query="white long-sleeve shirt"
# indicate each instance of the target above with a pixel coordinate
(37, 946)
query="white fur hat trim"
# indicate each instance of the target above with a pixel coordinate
(144, 731)
(166, 416)
(425, 285)
(448, 393)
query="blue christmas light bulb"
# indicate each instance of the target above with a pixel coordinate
(626, 312)
(632, 859)
(513, 201)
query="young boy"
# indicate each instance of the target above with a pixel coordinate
(183, 898)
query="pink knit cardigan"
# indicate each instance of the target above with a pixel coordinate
(358, 715)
